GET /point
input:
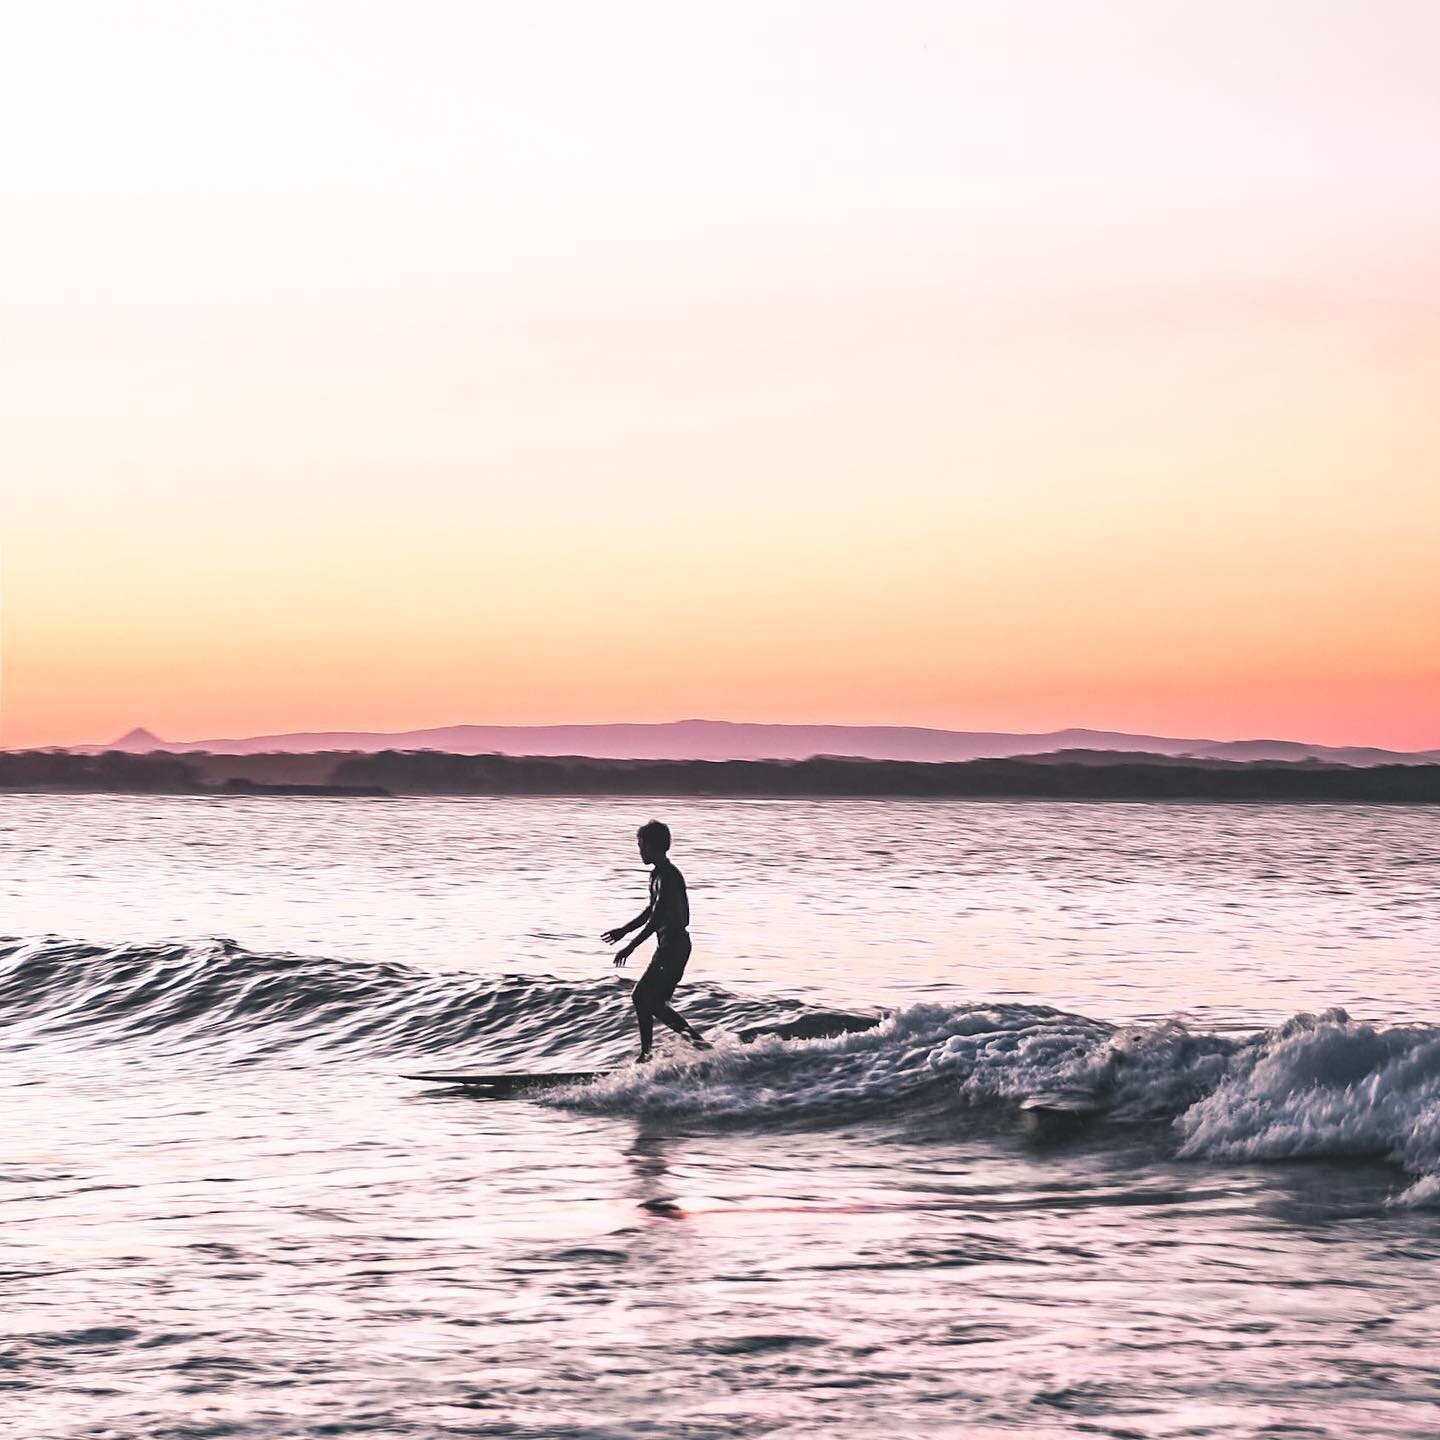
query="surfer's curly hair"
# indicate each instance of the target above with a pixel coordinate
(656, 830)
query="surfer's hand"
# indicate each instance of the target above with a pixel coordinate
(624, 955)
(611, 936)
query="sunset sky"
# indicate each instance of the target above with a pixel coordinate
(1003, 365)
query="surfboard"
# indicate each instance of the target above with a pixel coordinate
(1062, 1107)
(511, 1082)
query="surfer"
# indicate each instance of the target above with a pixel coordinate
(667, 917)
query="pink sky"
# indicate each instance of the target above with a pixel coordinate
(986, 365)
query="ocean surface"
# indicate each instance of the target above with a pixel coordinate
(225, 1213)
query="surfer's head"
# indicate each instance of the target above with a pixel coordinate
(653, 837)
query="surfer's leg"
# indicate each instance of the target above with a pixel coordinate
(665, 973)
(681, 1026)
(666, 1016)
(644, 1019)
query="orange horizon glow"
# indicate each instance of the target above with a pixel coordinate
(1080, 372)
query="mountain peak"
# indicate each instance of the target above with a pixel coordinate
(139, 739)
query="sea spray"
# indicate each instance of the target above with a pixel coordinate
(1326, 1086)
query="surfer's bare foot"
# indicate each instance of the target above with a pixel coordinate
(699, 1041)
(643, 1058)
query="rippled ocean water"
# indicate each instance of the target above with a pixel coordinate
(227, 1215)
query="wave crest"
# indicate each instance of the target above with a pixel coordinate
(1317, 1086)
(221, 999)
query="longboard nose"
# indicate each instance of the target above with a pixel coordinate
(499, 1084)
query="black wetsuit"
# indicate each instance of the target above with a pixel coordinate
(670, 915)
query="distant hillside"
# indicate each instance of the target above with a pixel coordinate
(430, 772)
(734, 740)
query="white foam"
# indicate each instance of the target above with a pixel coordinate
(1315, 1086)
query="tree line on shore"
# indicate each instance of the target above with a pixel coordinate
(429, 772)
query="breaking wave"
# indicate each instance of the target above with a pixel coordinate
(220, 1000)
(1317, 1086)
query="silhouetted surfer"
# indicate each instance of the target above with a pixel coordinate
(667, 917)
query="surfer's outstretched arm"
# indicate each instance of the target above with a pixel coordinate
(626, 951)
(620, 931)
